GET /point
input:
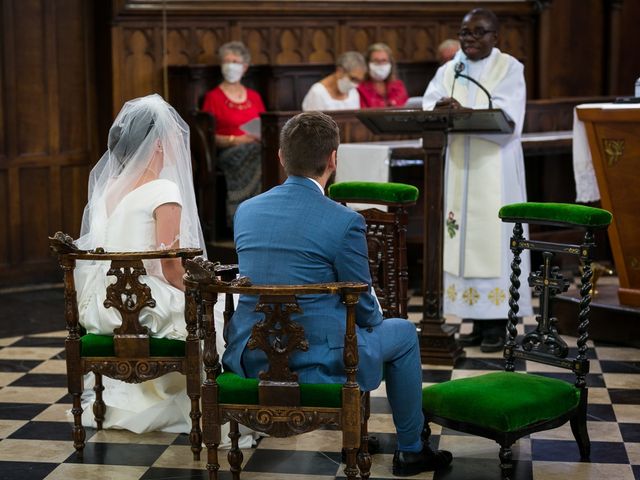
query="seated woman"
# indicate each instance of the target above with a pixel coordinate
(381, 87)
(232, 104)
(141, 198)
(338, 91)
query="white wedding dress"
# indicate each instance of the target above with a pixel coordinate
(161, 404)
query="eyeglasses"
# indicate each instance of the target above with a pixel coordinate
(476, 33)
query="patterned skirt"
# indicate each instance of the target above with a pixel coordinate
(242, 168)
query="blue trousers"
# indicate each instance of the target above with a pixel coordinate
(403, 377)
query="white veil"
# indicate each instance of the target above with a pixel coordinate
(148, 140)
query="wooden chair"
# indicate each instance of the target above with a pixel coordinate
(130, 354)
(208, 179)
(506, 406)
(276, 404)
(386, 237)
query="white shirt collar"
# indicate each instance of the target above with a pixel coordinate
(316, 182)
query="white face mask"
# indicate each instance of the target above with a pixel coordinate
(232, 72)
(379, 72)
(345, 85)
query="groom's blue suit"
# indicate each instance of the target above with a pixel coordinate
(293, 234)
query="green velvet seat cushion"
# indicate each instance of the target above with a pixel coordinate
(556, 213)
(233, 388)
(501, 401)
(373, 192)
(92, 345)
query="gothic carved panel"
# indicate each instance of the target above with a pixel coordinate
(289, 45)
(209, 40)
(178, 41)
(258, 40)
(425, 42)
(139, 63)
(321, 44)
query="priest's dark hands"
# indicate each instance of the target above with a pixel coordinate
(448, 103)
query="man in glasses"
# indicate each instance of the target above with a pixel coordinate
(483, 172)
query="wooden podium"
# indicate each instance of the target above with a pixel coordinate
(614, 142)
(437, 341)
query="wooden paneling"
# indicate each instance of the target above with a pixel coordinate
(48, 126)
(29, 78)
(5, 233)
(292, 33)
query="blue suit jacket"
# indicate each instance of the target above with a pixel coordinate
(293, 234)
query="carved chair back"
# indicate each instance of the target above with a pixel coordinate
(275, 403)
(386, 237)
(128, 353)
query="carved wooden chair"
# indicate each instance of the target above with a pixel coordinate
(207, 177)
(276, 403)
(386, 237)
(506, 406)
(130, 354)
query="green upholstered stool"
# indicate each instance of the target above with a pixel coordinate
(386, 237)
(374, 192)
(560, 214)
(505, 406)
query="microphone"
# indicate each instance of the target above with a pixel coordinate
(459, 67)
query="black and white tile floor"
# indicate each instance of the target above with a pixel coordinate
(36, 438)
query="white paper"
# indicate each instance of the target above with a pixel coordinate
(252, 128)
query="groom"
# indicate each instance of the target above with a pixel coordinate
(293, 234)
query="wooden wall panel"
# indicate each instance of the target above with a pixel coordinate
(73, 126)
(5, 233)
(35, 225)
(73, 196)
(29, 78)
(48, 129)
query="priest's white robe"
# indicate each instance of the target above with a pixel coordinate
(482, 173)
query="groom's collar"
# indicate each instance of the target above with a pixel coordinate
(306, 181)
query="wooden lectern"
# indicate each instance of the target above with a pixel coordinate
(614, 141)
(437, 341)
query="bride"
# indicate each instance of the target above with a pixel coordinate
(141, 198)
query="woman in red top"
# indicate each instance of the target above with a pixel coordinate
(381, 88)
(232, 104)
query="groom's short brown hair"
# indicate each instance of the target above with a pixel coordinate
(306, 142)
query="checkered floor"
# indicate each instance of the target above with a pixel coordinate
(36, 438)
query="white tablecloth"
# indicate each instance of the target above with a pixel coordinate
(586, 184)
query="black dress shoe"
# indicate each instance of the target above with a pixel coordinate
(492, 343)
(406, 464)
(494, 336)
(473, 338)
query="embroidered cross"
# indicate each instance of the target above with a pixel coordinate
(471, 296)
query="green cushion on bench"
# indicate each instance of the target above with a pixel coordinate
(501, 401)
(373, 192)
(92, 345)
(556, 213)
(233, 388)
